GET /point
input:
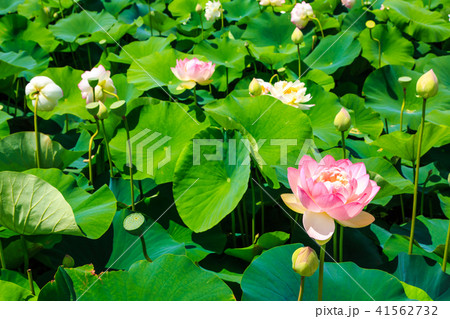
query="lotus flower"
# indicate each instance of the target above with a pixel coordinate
(273, 3)
(291, 93)
(104, 84)
(213, 10)
(327, 191)
(348, 3)
(302, 14)
(192, 72)
(46, 92)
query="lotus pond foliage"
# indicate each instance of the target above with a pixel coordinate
(224, 150)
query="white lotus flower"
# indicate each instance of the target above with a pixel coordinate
(273, 3)
(104, 83)
(302, 14)
(45, 91)
(213, 10)
(291, 93)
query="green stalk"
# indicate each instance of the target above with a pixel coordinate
(422, 199)
(252, 187)
(244, 214)
(25, 254)
(195, 95)
(387, 126)
(226, 74)
(233, 228)
(105, 137)
(343, 144)
(36, 131)
(321, 264)
(299, 62)
(379, 47)
(130, 154)
(144, 249)
(402, 205)
(341, 243)
(241, 223)
(403, 108)
(302, 286)
(416, 179)
(89, 56)
(67, 123)
(30, 280)
(320, 26)
(2, 256)
(91, 141)
(447, 241)
(261, 195)
(335, 245)
(221, 16)
(61, 9)
(201, 23)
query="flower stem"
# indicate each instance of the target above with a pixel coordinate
(2, 256)
(402, 205)
(111, 93)
(226, 74)
(201, 23)
(341, 243)
(261, 195)
(302, 286)
(67, 123)
(195, 95)
(416, 179)
(36, 131)
(335, 245)
(379, 47)
(241, 223)
(322, 262)
(233, 228)
(320, 26)
(403, 108)
(221, 16)
(244, 214)
(25, 254)
(252, 187)
(144, 249)
(343, 144)
(105, 137)
(130, 165)
(30, 280)
(299, 62)
(91, 141)
(447, 242)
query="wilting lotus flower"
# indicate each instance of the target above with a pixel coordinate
(348, 3)
(328, 191)
(104, 84)
(213, 10)
(192, 72)
(273, 3)
(302, 14)
(46, 91)
(291, 93)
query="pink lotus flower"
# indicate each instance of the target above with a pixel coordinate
(328, 191)
(348, 3)
(192, 72)
(104, 84)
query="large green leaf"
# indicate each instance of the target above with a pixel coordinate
(163, 128)
(9, 6)
(271, 128)
(210, 178)
(18, 151)
(93, 212)
(31, 206)
(395, 50)
(12, 63)
(127, 248)
(420, 23)
(328, 57)
(227, 52)
(15, 287)
(4, 127)
(385, 95)
(168, 278)
(270, 277)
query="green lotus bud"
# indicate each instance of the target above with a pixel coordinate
(119, 108)
(342, 121)
(427, 85)
(198, 8)
(55, 15)
(93, 108)
(297, 36)
(1, 107)
(134, 224)
(305, 261)
(68, 262)
(102, 111)
(370, 24)
(404, 81)
(255, 88)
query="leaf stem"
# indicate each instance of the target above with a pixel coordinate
(30, 280)
(226, 75)
(379, 47)
(241, 223)
(252, 187)
(25, 254)
(261, 195)
(111, 93)
(343, 144)
(144, 249)
(201, 23)
(233, 228)
(416, 179)
(320, 26)
(403, 108)
(302, 286)
(341, 243)
(335, 245)
(195, 95)
(130, 164)
(322, 262)
(105, 138)
(445, 258)
(36, 131)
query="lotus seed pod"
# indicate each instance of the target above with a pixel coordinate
(305, 261)
(404, 81)
(93, 82)
(427, 85)
(102, 111)
(198, 8)
(119, 108)
(370, 24)
(255, 88)
(297, 36)
(93, 108)
(342, 121)
(68, 262)
(134, 224)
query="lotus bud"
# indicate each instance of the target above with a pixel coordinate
(68, 262)
(427, 85)
(305, 261)
(1, 107)
(198, 8)
(102, 111)
(119, 108)
(93, 82)
(404, 81)
(93, 108)
(255, 88)
(342, 121)
(55, 15)
(134, 224)
(297, 36)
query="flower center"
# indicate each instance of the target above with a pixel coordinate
(335, 176)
